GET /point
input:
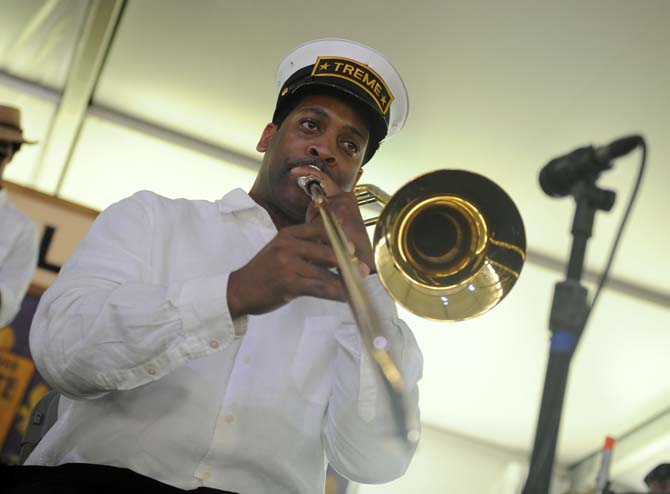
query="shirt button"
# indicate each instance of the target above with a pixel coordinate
(151, 371)
(214, 344)
(230, 419)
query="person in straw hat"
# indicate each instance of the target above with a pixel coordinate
(208, 345)
(18, 236)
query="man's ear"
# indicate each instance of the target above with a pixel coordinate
(269, 130)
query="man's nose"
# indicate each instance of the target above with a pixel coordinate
(323, 150)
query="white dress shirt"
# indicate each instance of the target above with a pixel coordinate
(18, 258)
(137, 333)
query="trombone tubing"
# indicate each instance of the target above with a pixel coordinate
(364, 311)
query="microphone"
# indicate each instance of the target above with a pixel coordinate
(559, 175)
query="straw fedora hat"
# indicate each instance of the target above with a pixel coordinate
(10, 125)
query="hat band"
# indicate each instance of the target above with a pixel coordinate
(12, 127)
(304, 78)
(359, 74)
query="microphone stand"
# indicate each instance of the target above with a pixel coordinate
(569, 312)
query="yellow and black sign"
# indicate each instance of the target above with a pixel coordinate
(16, 372)
(359, 74)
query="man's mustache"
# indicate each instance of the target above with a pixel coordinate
(318, 163)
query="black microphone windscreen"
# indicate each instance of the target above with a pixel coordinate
(618, 148)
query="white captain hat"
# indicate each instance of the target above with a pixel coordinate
(350, 69)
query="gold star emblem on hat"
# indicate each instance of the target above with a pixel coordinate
(383, 98)
(324, 66)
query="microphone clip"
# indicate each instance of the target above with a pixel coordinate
(594, 196)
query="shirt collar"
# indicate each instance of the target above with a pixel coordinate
(236, 200)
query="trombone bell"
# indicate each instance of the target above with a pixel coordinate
(449, 245)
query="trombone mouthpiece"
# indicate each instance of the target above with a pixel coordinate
(306, 182)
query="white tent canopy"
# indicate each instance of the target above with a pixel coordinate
(180, 91)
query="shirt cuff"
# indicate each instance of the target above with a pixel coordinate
(203, 306)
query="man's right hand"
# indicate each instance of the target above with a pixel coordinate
(296, 262)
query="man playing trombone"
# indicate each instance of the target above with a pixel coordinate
(208, 345)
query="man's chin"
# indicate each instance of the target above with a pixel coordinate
(297, 212)
(294, 205)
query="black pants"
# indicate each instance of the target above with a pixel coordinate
(84, 478)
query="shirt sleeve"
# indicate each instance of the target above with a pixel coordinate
(105, 325)
(17, 266)
(361, 435)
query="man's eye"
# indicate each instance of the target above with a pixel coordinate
(309, 124)
(351, 147)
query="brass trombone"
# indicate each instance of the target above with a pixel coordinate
(449, 246)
